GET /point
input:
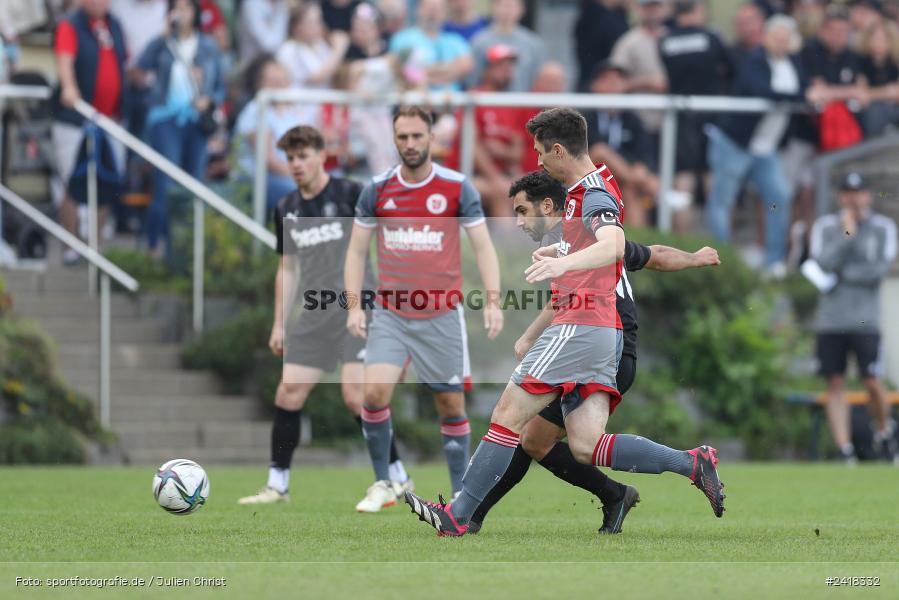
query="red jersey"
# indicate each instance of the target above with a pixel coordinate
(419, 256)
(502, 123)
(587, 296)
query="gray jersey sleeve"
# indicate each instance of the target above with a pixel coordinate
(600, 209)
(471, 211)
(365, 207)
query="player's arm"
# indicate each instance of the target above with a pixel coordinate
(488, 267)
(602, 216)
(666, 258)
(357, 252)
(533, 332)
(286, 282)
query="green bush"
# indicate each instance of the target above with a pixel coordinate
(42, 420)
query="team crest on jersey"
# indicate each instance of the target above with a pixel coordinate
(436, 204)
(569, 211)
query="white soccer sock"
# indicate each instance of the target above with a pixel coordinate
(397, 472)
(278, 479)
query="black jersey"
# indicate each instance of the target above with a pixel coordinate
(635, 258)
(317, 231)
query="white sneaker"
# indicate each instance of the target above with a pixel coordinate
(403, 487)
(381, 494)
(267, 495)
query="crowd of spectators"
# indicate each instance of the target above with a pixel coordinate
(182, 74)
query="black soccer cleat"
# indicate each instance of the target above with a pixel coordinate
(613, 515)
(705, 477)
(437, 515)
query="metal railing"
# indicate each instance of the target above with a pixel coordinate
(107, 270)
(468, 101)
(826, 163)
(202, 196)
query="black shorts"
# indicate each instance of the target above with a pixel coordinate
(834, 349)
(322, 343)
(627, 372)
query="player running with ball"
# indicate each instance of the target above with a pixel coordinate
(576, 358)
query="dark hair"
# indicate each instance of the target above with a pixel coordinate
(563, 126)
(836, 12)
(301, 136)
(254, 70)
(414, 111)
(198, 13)
(538, 185)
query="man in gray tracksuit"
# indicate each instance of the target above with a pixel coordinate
(856, 246)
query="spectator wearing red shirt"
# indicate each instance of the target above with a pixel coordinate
(500, 147)
(90, 56)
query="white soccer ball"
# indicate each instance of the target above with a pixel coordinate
(181, 486)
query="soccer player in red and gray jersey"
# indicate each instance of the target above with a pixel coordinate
(417, 208)
(576, 357)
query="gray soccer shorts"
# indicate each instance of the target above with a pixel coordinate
(437, 347)
(322, 343)
(575, 361)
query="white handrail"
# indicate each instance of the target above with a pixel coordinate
(197, 188)
(57, 231)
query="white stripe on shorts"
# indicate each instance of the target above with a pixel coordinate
(536, 364)
(565, 336)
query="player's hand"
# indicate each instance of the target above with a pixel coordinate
(545, 268)
(706, 257)
(551, 251)
(493, 320)
(355, 323)
(522, 345)
(276, 340)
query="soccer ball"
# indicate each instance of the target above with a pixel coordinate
(181, 486)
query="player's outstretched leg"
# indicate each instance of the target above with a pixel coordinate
(636, 454)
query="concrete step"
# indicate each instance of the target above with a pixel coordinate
(147, 356)
(139, 409)
(36, 305)
(140, 382)
(194, 434)
(64, 330)
(226, 455)
(73, 281)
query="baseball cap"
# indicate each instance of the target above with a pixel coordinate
(853, 182)
(498, 52)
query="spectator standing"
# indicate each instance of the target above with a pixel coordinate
(263, 27)
(338, 14)
(696, 63)
(464, 19)
(745, 144)
(749, 31)
(617, 139)
(394, 13)
(184, 80)
(599, 25)
(506, 29)
(366, 40)
(433, 57)
(637, 53)
(832, 66)
(268, 73)
(90, 53)
(856, 248)
(880, 76)
(310, 58)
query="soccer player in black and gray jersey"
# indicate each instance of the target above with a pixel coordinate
(539, 201)
(313, 230)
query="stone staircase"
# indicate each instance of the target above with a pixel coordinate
(159, 410)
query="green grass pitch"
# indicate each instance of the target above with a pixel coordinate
(787, 529)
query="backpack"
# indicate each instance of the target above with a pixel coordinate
(838, 127)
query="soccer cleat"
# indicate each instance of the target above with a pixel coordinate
(437, 515)
(381, 494)
(267, 495)
(403, 487)
(705, 477)
(474, 527)
(613, 515)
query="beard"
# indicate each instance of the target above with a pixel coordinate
(417, 161)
